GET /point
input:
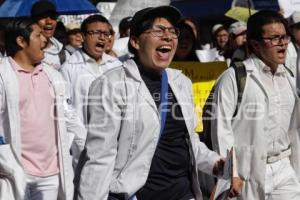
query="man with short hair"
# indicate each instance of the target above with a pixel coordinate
(36, 128)
(87, 64)
(45, 14)
(264, 127)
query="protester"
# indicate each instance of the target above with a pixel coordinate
(236, 49)
(220, 37)
(124, 27)
(186, 48)
(45, 14)
(75, 40)
(135, 145)
(237, 31)
(293, 46)
(110, 43)
(264, 127)
(120, 45)
(36, 127)
(86, 64)
(193, 23)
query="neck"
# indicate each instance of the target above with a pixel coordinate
(97, 60)
(148, 70)
(270, 64)
(48, 44)
(24, 62)
(273, 66)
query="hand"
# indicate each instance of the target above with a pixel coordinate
(236, 187)
(218, 167)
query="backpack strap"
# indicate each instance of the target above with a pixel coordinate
(241, 76)
(62, 56)
(289, 70)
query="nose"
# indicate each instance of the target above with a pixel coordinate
(49, 20)
(167, 35)
(244, 39)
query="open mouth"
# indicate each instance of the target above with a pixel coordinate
(164, 49)
(100, 45)
(163, 52)
(48, 28)
(282, 51)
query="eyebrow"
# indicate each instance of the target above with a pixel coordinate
(276, 35)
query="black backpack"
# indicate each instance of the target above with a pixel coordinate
(241, 77)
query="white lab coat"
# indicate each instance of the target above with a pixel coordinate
(247, 131)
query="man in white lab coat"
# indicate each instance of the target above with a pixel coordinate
(264, 128)
(87, 64)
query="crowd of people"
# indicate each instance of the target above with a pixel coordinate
(83, 120)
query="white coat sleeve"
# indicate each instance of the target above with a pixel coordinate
(223, 108)
(104, 114)
(74, 125)
(67, 77)
(75, 128)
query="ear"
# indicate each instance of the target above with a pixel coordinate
(21, 42)
(134, 41)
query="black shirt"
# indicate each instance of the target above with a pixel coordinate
(169, 175)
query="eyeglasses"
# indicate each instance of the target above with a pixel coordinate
(159, 31)
(276, 40)
(99, 33)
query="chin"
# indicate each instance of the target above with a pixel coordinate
(161, 66)
(281, 61)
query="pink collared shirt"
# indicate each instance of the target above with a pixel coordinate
(38, 127)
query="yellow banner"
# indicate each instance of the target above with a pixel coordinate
(203, 76)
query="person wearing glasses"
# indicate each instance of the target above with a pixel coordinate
(265, 128)
(45, 15)
(141, 142)
(85, 65)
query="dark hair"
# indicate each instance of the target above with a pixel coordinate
(145, 25)
(92, 19)
(43, 9)
(124, 25)
(231, 46)
(185, 28)
(73, 31)
(15, 28)
(195, 21)
(258, 20)
(61, 33)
